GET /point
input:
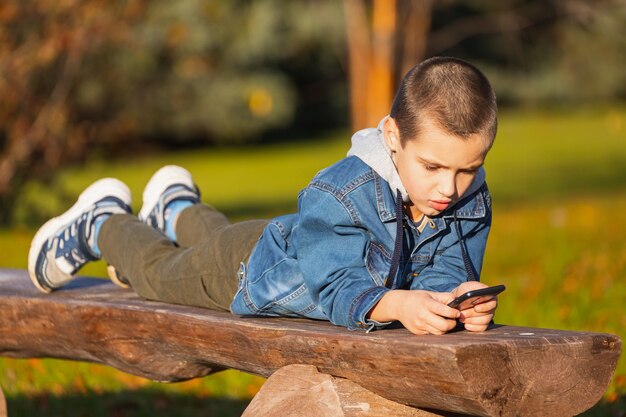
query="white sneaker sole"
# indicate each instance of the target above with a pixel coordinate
(96, 191)
(159, 182)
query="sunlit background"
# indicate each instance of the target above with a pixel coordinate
(255, 97)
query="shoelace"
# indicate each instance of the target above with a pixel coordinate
(70, 242)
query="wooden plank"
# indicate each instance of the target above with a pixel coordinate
(302, 391)
(504, 371)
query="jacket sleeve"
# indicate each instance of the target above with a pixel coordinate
(331, 254)
(447, 270)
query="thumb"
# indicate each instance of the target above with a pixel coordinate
(443, 297)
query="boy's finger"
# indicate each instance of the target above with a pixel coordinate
(441, 309)
(442, 297)
(478, 320)
(480, 309)
(487, 306)
(433, 330)
(417, 330)
(440, 325)
(421, 327)
(475, 327)
(468, 286)
(470, 312)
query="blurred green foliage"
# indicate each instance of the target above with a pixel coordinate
(209, 69)
(173, 70)
(84, 76)
(229, 71)
(539, 53)
(79, 77)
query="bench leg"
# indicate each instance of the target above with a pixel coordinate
(302, 391)
(3, 404)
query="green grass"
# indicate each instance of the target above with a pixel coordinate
(542, 155)
(558, 182)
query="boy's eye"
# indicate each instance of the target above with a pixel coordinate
(431, 167)
(471, 171)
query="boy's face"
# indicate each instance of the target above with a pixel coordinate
(437, 167)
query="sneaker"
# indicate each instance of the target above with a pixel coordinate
(65, 243)
(169, 184)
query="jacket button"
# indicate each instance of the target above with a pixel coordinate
(431, 224)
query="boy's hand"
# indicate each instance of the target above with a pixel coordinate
(421, 312)
(478, 317)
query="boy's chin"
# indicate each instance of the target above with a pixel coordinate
(428, 211)
(432, 212)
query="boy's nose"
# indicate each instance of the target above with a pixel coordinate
(447, 188)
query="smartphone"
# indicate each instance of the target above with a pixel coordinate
(473, 297)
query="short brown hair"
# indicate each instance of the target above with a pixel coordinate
(451, 92)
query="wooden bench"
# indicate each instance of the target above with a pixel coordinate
(315, 368)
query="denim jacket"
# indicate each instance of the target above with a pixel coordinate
(331, 260)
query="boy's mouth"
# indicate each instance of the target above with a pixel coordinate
(439, 205)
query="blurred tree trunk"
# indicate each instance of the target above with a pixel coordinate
(381, 69)
(414, 27)
(385, 39)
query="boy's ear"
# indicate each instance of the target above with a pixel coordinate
(391, 134)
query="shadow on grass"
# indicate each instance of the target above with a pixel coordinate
(146, 403)
(139, 403)
(259, 210)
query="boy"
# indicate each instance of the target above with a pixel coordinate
(393, 232)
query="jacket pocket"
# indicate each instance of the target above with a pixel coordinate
(378, 262)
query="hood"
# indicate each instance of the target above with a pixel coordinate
(369, 146)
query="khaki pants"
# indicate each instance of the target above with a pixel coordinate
(200, 271)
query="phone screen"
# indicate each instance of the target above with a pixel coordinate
(473, 297)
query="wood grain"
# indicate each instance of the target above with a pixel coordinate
(505, 371)
(302, 391)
